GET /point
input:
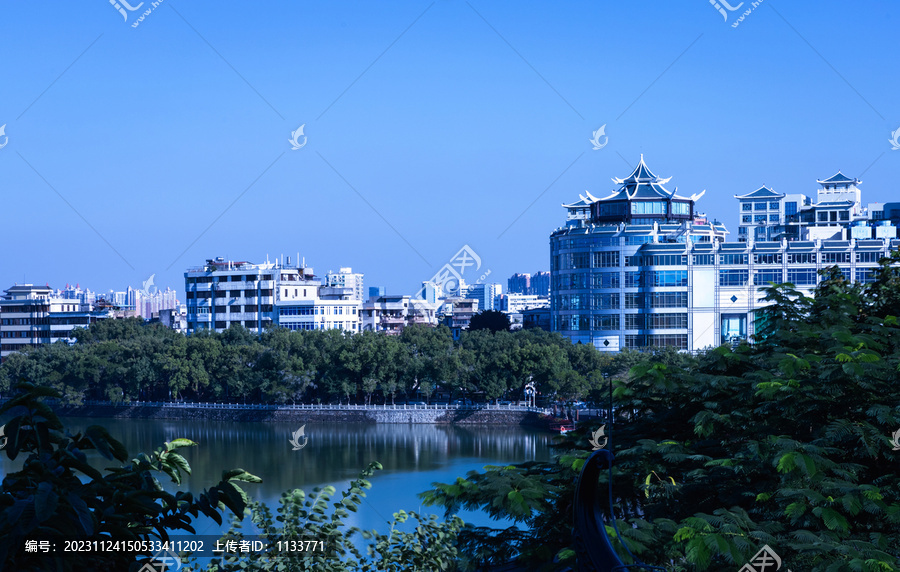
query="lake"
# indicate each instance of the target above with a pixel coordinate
(413, 456)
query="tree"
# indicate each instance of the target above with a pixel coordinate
(309, 520)
(59, 496)
(491, 320)
(785, 442)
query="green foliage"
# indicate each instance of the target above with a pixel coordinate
(490, 320)
(316, 519)
(785, 442)
(126, 361)
(58, 495)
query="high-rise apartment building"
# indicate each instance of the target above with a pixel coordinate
(519, 284)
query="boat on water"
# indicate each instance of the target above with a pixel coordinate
(562, 428)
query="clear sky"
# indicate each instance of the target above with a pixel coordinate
(145, 150)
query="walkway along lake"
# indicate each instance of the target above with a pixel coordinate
(484, 414)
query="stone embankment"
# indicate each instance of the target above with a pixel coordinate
(493, 415)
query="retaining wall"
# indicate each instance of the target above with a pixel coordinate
(427, 416)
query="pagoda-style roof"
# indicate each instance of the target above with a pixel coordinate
(643, 184)
(833, 204)
(763, 192)
(839, 179)
(582, 202)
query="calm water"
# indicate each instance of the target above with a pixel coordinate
(413, 457)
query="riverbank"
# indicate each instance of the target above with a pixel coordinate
(446, 415)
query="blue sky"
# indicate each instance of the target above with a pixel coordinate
(146, 150)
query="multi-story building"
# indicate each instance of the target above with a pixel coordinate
(484, 293)
(540, 284)
(537, 284)
(391, 314)
(32, 316)
(518, 303)
(519, 283)
(642, 269)
(224, 293)
(346, 278)
(837, 214)
(456, 313)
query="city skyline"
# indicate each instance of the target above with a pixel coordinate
(147, 149)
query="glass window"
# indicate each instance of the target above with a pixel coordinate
(632, 279)
(865, 275)
(801, 258)
(869, 256)
(648, 207)
(668, 299)
(606, 280)
(733, 259)
(763, 277)
(733, 326)
(835, 257)
(746, 218)
(679, 208)
(774, 205)
(773, 218)
(635, 341)
(608, 322)
(759, 206)
(704, 259)
(634, 321)
(666, 321)
(667, 278)
(767, 258)
(634, 300)
(605, 301)
(746, 206)
(790, 208)
(802, 276)
(605, 259)
(733, 277)
(677, 341)
(759, 218)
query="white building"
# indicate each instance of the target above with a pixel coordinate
(486, 294)
(224, 293)
(518, 303)
(346, 278)
(643, 270)
(391, 314)
(31, 316)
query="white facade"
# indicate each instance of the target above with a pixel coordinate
(625, 285)
(517, 303)
(346, 278)
(224, 293)
(391, 314)
(31, 316)
(486, 294)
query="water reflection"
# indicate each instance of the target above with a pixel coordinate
(413, 456)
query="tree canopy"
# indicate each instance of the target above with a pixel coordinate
(785, 442)
(126, 360)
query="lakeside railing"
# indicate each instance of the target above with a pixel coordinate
(318, 406)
